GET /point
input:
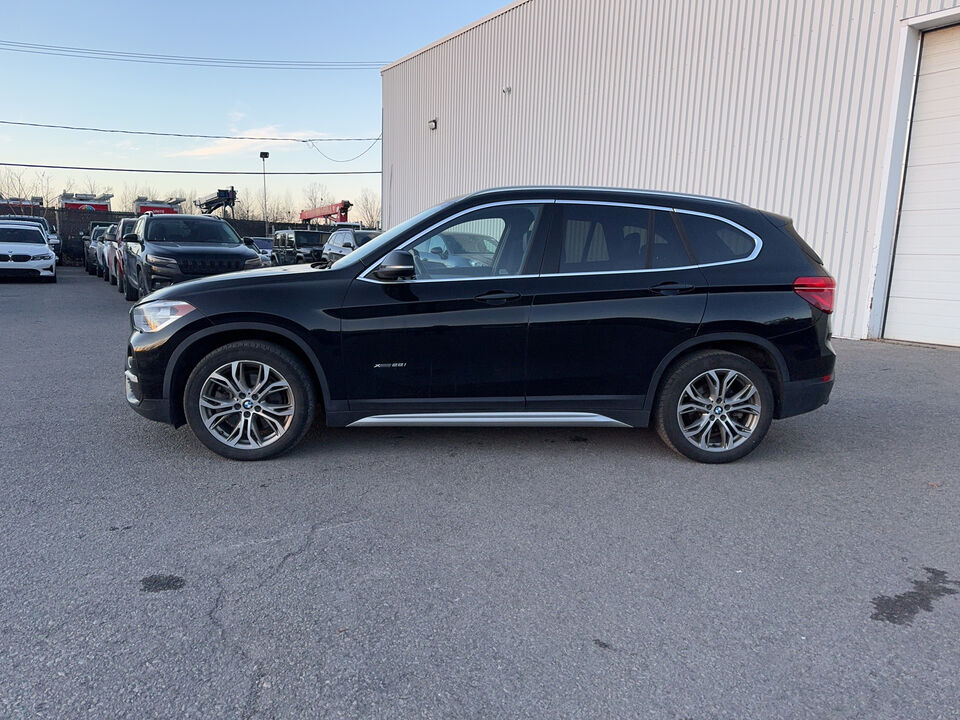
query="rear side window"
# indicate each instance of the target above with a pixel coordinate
(712, 240)
(609, 238)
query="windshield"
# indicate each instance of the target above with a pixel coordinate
(375, 246)
(185, 230)
(310, 238)
(26, 234)
(97, 232)
(263, 243)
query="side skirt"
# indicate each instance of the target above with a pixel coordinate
(491, 419)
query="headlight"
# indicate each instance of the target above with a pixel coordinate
(158, 260)
(156, 315)
(44, 256)
(252, 263)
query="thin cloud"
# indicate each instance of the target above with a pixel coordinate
(238, 147)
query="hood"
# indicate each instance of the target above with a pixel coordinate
(245, 277)
(23, 248)
(181, 250)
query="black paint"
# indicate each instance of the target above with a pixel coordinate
(901, 609)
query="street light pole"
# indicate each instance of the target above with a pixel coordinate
(263, 157)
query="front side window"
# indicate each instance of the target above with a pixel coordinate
(492, 241)
(611, 238)
(713, 240)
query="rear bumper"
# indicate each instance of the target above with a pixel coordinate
(802, 396)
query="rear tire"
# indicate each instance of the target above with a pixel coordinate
(226, 381)
(714, 407)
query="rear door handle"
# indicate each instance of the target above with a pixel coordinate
(671, 288)
(497, 297)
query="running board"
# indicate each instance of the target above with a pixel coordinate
(491, 419)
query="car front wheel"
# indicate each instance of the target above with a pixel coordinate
(249, 400)
(714, 407)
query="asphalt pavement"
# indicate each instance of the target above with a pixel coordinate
(469, 573)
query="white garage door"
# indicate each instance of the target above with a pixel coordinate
(924, 304)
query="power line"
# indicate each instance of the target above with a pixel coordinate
(186, 60)
(186, 135)
(189, 172)
(355, 157)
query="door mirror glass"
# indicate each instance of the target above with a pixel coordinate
(397, 265)
(130, 237)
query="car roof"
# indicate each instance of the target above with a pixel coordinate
(607, 193)
(185, 216)
(17, 225)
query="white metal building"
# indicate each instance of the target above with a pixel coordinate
(842, 114)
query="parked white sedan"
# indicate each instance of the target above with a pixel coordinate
(24, 252)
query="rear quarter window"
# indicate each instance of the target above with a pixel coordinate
(712, 240)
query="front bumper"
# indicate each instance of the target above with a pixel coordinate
(29, 268)
(146, 370)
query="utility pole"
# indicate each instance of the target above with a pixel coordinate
(263, 157)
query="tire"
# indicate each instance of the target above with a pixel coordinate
(215, 428)
(120, 280)
(106, 274)
(703, 429)
(113, 275)
(99, 270)
(50, 279)
(129, 292)
(141, 285)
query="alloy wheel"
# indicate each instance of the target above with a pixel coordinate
(719, 410)
(246, 404)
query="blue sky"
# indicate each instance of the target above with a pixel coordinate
(75, 91)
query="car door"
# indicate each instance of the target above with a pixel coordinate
(452, 338)
(619, 291)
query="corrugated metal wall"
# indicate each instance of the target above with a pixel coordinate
(780, 104)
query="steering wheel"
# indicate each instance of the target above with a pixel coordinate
(419, 265)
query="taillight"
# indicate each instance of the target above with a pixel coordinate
(818, 291)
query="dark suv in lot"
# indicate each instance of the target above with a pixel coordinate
(573, 306)
(163, 250)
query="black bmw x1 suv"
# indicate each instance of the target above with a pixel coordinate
(514, 306)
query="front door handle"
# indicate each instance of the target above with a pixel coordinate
(497, 297)
(671, 288)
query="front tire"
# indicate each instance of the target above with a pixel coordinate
(129, 292)
(249, 400)
(714, 407)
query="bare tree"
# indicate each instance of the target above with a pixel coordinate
(368, 208)
(314, 194)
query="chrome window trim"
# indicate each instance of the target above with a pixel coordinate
(758, 243)
(422, 233)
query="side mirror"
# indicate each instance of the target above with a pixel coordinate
(130, 237)
(349, 245)
(398, 265)
(249, 243)
(436, 250)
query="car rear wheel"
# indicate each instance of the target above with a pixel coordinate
(714, 407)
(249, 400)
(99, 270)
(106, 274)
